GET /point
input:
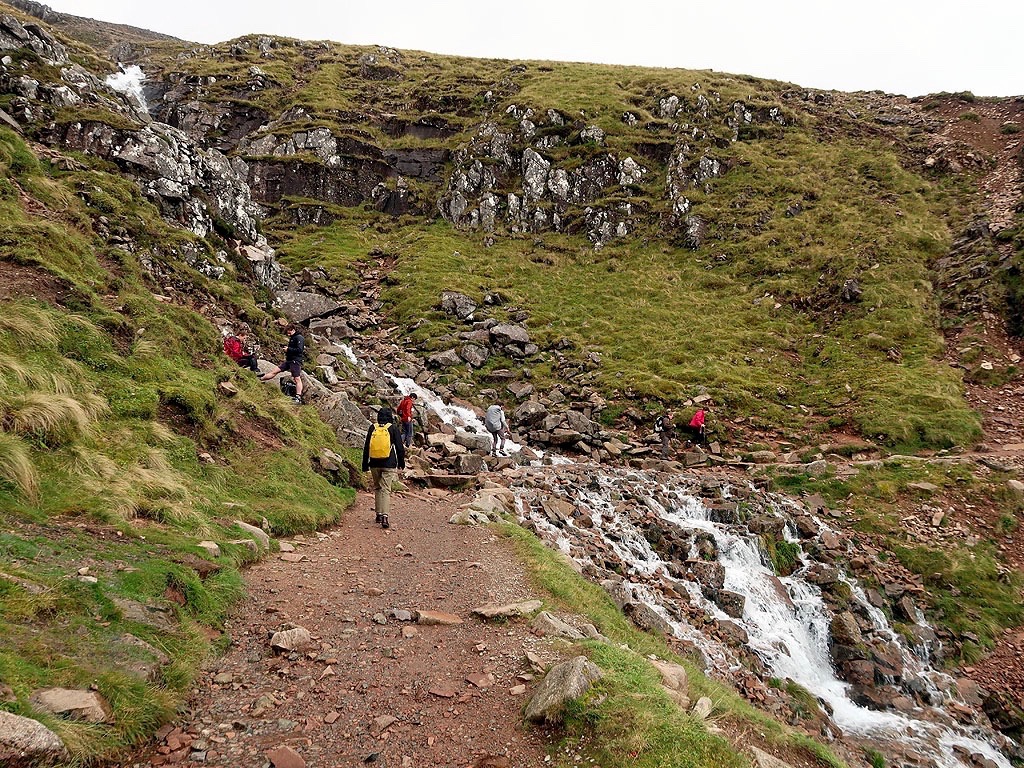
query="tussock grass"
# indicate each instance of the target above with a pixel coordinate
(29, 325)
(54, 418)
(16, 467)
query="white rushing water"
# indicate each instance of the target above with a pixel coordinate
(786, 619)
(129, 81)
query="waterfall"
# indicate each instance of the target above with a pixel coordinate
(129, 81)
(789, 632)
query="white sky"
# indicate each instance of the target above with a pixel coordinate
(911, 47)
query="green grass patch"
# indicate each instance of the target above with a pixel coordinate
(107, 397)
(969, 591)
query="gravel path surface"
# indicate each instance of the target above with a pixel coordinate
(374, 687)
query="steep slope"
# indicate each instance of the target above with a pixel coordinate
(125, 441)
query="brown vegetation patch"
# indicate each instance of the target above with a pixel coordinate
(18, 282)
(258, 430)
(178, 419)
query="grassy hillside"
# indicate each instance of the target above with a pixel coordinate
(107, 397)
(753, 315)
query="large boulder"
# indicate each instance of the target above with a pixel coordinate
(24, 742)
(530, 413)
(300, 306)
(845, 630)
(504, 334)
(564, 683)
(346, 418)
(458, 304)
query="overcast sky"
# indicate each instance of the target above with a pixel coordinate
(911, 47)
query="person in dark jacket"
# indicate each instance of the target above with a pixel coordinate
(384, 471)
(292, 360)
(664, 426)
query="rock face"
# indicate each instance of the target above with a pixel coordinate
(563, 683)
(169, 165)
(25, 742)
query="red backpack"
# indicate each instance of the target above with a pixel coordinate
(233, 347)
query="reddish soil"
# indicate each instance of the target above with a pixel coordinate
(333, 704)
(24, 282)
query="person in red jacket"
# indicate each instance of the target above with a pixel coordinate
(406, 410)
(696, 427)
(238, 349)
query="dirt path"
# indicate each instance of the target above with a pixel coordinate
(373, 689)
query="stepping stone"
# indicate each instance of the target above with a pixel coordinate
(437, 617)
(508, 611)
(75, 704)
(285, 757)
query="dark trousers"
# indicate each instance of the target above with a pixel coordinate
(248, 361)
(666, 443)
(407, 433)
(696, 434)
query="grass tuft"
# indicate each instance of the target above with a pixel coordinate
(16, 467)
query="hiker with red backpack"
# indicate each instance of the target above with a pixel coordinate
(239, 350)
(406, 409)
(383, 456)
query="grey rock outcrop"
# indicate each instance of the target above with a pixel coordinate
(169, 165)
(24, 742)
(562, 684)
(14, 35)
(300, 306)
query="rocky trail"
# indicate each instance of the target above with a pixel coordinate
(373, 684)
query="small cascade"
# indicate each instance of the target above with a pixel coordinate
(129, 81)
(457, 416)
(784, 621)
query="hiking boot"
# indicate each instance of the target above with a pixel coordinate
(297, 400)
(380, 518)
(384, 522)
